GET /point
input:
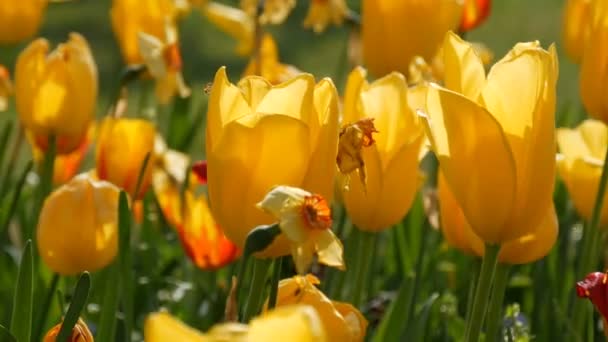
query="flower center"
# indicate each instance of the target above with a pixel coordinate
(172, 57)
(316, 213)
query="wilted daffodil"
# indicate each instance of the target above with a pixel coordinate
(577, 17)
(474, 12)
(459, 234)
(122, 146)
(394, 31)
(69, 246)
(235, 22)
(324, 12)
(6, 87)
(129, 17)
(297, 323)
(274, 11)
(80, 333)
(494, 137)
(580, 164)
(391, 162)
(305, 219)
(164, 62)
(56, 92)
(20, 19)
(259, 136)
(594, 65)
(267, 64)
(341, 321)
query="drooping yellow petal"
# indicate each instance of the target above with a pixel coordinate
(234, 22)
(464, 71)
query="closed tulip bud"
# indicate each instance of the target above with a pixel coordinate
(594, 65)
(580, 165)
(129, 17)
(69, 246)
(258, 136)
(80, 333)
(20, 20)
(56, 92)
(394, 31)
(577, 15)
(122, 147)
(391, 162)
(474, 13)
(494, 137)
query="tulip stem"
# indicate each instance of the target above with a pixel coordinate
(501, 278)
(274, 284)
(46, 179)
(48, 298)
(256, 289)
(482, 292)
(367, 241)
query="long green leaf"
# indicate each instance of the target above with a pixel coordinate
(6, 133)
(391, 327)
(21, 319)
(109, 307)
(6, 335)
(79, 300)
(124, 227)
(5, 219)
(422, 318)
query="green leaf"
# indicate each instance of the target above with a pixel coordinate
(391, 327)
(6, 133)
(140, 176)
(107, 320)
(422, 318)
(124, 228)
(79, 300)
(21, 319)
(6, 218)
(6, 335)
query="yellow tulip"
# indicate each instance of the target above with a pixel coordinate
(594, 65)
(56, 93)
(122, 146)
(90, 243)
(577, 15)
(20, 19)
(6, 87)
(342, 322)
(394, 31)
(580, 164)
(269, 66)
(129, 17)
(259, 136)
(494, 136)
(391, 163)
(80, 333)
(235, 22)
(459, 234)
(297, 323)
(323, 12)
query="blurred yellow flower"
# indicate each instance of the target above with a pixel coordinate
(494, 136)
(270, 67)
(274, 12)
(164, 62)
(459, 234)
(20, 19)
(122, 146)
(6, 87)
(69, 246)
(235, 22)
(260, 135)
(394, 31)
(594, 65)
(391, 163)
(474, 13)
(80, 333)
(342, 321)
(295, 323)
(56, 93)
(129, 17)
(580, 164)
(577, 17)
(305, 219)
(324, 12)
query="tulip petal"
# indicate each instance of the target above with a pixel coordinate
(464, 71)
(595, 135)
(357, 324)
(476, 160)
(160, 327)
(289, 323)
(356, 81)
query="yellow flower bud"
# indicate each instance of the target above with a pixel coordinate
(269, 66)
(577, 15)
(495, 141)
(20, 19)
(70, 246)
(394, 31)
(129, 17)
(80, 333)
(391, 162)
(259, 136)
(580, 164)
(122, 146)
(56, 92)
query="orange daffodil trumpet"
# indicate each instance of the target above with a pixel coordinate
(259, 136)
(305, 219)
(577, 17)
(56, 93)
(80, 333)
(20, 19)
(391, 162)
(580, 164)
(494, 137)
(164, 62)
(321, 13)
